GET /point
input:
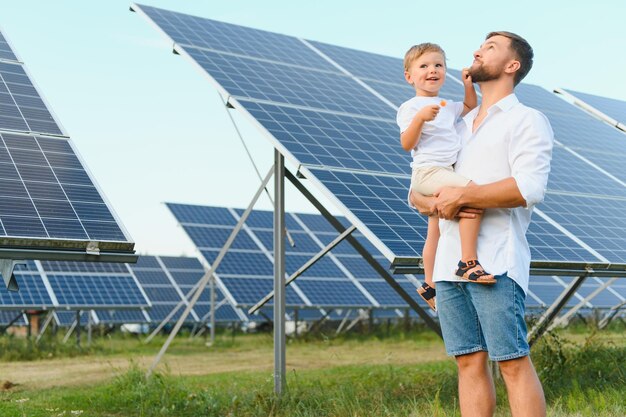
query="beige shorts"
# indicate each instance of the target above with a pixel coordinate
(427, 180)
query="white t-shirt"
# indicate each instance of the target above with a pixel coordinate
(512, 141)
(439, 142)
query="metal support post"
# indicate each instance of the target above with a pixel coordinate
(343, 322)
(280, 366)
(69, 332)
(89, 330)
(545, 320)
(318, 323)
(295, 322)
(213, 308)
(78, 328)
(366, 255)
(205, 279)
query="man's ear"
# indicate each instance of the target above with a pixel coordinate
(512, 66)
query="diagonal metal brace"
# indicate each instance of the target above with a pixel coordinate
(306, 266)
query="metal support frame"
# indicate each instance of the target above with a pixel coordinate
(45, 325)
(78, 328)
(280, 365)
(565, 318)
(319, 322)
(544, 322)
(16, 318)
(343, 321)
(306, 266)
(205, 278)
(366, 255)
(69, 332)
(362, 316)
(213, 309)
(6, 270)
(611, 314)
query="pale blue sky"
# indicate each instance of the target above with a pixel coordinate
(152, 129)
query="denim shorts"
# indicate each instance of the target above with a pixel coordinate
(477, 317)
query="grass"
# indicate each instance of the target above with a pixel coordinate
(582, 378)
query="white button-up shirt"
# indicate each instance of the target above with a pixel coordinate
(512, 141)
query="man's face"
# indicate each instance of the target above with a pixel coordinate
(491, 59)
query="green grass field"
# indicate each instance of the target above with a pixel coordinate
(396, 374)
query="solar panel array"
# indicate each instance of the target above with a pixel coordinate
(613, 108)
(56, 285)
(350, 150)
(47, 198)
(341, 279)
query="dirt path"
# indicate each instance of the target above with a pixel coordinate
(93, 369)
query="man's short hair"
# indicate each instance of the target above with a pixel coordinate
(522, 50)
(416, 51)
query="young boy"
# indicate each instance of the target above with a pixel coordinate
(427, 130)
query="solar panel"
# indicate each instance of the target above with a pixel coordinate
(615, 109)
(15, 318)
(353, 155)
(246, 274)
(50, 208)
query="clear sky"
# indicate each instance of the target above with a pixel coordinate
(152, 129)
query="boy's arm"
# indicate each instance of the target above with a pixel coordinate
(411, 136)
(471, 100)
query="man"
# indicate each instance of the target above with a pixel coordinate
(506, 151)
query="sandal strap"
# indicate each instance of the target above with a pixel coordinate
(429, 292)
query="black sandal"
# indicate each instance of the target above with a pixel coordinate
(428, 294)
(472, 271)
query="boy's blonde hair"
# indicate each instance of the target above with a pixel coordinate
(417, 51)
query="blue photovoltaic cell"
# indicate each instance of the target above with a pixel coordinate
(242, 263)
(96, 291)
(88, 267)
(46, 193)
(215, 238)
(332, 293)
(120, 316)
(599, 222)
(198, 32)
(571, 174)
(247, 291)
(67, 318)
(21, 106)
(172, 262)
(572, 126)
(7, 317)
(263, 219)
(5, 50)
(32, 295)
(613, 108)
(380, 203)
(260, 80)
(365, 64)
(334, 140)
(201, 215)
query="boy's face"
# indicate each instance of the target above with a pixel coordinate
(427, 74)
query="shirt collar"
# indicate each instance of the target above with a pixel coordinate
(504, 104)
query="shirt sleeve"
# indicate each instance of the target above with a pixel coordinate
(530, 153)
(458, 109)
(405, 116)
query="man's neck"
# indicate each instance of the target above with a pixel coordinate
(494, 91)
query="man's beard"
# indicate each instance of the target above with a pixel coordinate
(483, 74)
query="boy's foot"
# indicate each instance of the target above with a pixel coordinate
(428, 294)
(472, 271)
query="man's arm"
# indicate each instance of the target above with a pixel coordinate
(500, 194)
(426, 206)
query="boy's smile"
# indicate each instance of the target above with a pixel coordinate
(427, 74)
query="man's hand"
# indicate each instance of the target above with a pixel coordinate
(448, 203)
(427, 206)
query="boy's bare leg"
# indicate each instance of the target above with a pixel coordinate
(477, 394)
(525, 392)
(468, 230)
(430, 249)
